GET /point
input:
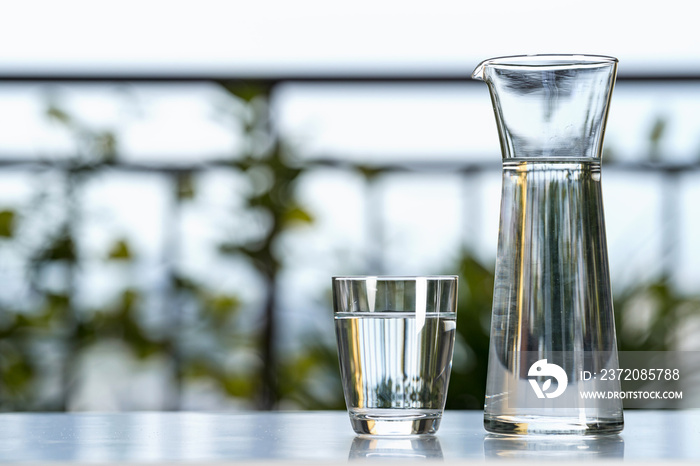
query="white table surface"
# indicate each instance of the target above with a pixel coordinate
(318, 436)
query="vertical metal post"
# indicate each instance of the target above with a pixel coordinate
(171, 254)
(269, 395)
(73, 179)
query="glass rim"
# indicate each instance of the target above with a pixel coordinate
(547, 61)
(391, 278)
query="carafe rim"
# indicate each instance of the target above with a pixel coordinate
(550, 61)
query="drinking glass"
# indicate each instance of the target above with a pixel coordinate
(395, 340)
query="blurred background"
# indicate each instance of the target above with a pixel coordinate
(180, 180)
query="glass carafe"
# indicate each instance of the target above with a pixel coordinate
(552, 329)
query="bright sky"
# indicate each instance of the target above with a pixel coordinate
(268, 35)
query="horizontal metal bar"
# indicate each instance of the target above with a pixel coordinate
(428, 165)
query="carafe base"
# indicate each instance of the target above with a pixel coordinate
(551, 425)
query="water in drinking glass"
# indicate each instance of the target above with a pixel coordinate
(395, 367)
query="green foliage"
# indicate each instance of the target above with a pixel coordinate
(301, 374)
(95, 147)
(57, 114)
(296, 214)
(119, 321)
(220, 308)
(55, 312)
(273, 174)
(656, 134)
(59, 248)
(7, 223)
(120, 250)
(650, 317)
(185, 187)
(368, 172)
(667, 311)
(104, 143)
(308, 378)
(247, 91)
(468, 380)
(17, 372)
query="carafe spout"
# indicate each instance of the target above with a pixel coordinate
(478, 72)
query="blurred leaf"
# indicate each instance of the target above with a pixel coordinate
(297, 215)
(246, 91)
(7, 223)
(196, 369)
(369, 172)
(656, 134)
(183, 283)
(299, 375)
(239, 386)
(468, 383)
(185, 187)
(58, 308)
(105, 145)
(125, 323)
(658, 130)
(62, 248)
(129, 299)
(55, 310)
(16, 370)
(120, 250)
(221, 307)
(59, 115)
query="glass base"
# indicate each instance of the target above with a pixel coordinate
(390, 422)
(546, 425)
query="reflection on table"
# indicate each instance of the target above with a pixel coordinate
(404, 448)
(554, 447)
